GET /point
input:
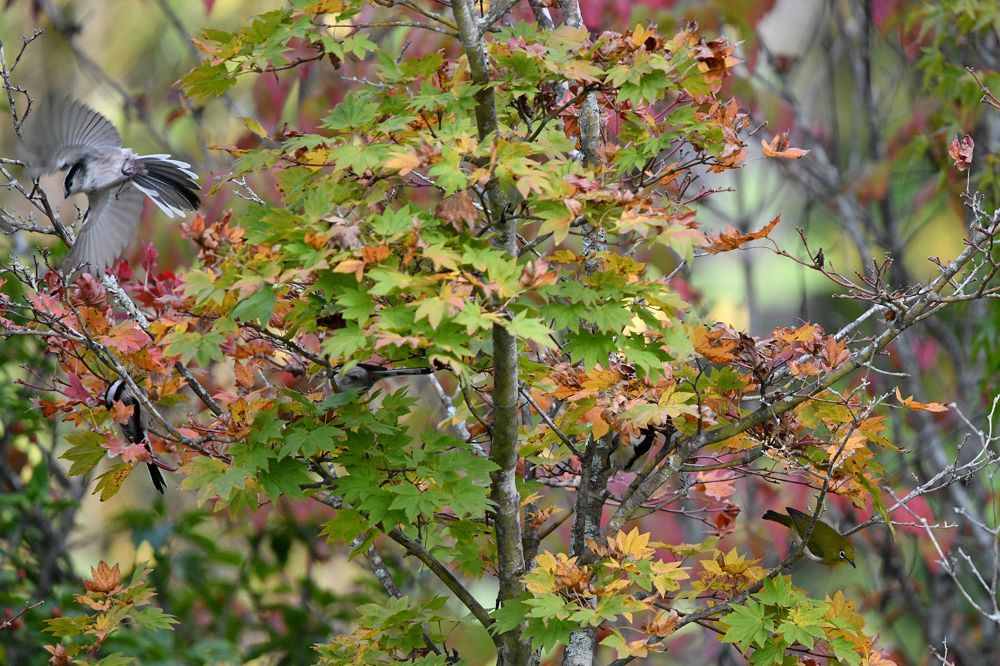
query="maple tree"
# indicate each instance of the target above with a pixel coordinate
(489, 196)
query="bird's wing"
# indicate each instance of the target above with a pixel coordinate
(110, 222)
(60, 132)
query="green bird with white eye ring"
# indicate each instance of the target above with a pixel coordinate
(825, 544)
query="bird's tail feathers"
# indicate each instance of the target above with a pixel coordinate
(157, 476)
(169, 183)
(778, 518)
(382, 373)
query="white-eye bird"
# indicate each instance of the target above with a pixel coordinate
(135, 429)
(825, 544)
(67, 135)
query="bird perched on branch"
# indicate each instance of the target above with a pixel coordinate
(363, 376)
(825, 544)
(66, 135)
(135, 428)
(626, 454)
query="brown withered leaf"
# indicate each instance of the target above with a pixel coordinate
(715, 57)
(725, 519)
(540, 517)
(105, 579)
(244, 375)
(834, 353)
(802, 334)
(458, 210)
(731, 239)
(661, 625)
(910, 403)
(778, 147)
(809, 367)
(59, 655)
(712, 345)
(960, 149)
(373, 254)
(537, 274)
(344, 234)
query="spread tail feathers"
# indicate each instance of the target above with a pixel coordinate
(169, 183)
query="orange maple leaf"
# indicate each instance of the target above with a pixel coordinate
(834, 353)
(106, 578)
(778, 147)
(712, 346)
(120, 412)
(716, 483)
(731, 239)
(910, 403)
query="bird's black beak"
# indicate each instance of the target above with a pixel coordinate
(851, 562)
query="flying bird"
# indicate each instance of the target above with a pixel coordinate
(67, 135)
(135, 428)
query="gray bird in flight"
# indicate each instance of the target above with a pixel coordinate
(67, 135)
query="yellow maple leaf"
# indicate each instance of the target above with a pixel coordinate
(404, 161)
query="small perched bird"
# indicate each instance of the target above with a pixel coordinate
(135, 429)
(625, 455)
(66, 135)
(825, 544)
(363, 376)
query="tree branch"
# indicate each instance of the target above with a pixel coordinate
(506, 415)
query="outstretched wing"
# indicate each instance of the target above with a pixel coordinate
(60, 132)
(109, 225)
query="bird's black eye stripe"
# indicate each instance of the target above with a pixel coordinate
(73, 170)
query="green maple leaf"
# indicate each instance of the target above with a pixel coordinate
(432, 309)
(531, 328)
(589, 348)
(259, 306)
(747, 625)
(86, 451)
(284, 478)
(779, 591)
(308, 440)
(508, 617)
(207, 80)
(345, 526)
(772, 653)
(804, 625)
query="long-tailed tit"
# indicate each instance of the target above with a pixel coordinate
(135, 428)
(624, 455)
(363, 376)
(66, 135)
